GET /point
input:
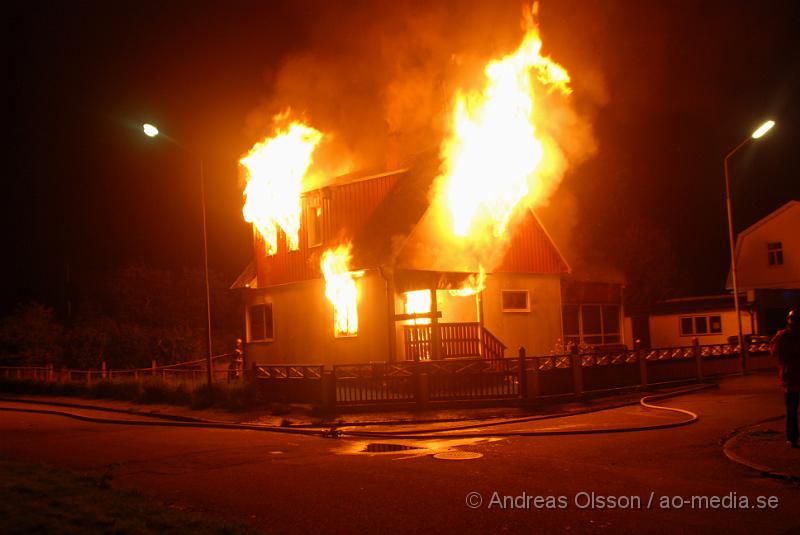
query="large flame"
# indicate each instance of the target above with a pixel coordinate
(341, 289)
(418, 302)
(494, 157)
(275, 170)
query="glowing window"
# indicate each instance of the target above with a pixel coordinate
(314, 223)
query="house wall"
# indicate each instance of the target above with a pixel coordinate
(303, 325)
(537, 330)
(627, 332)
(753, 266)
(665, 329)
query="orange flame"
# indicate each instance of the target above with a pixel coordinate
(494, 158)
(475, 283)
(418, 302)
(275, 169)
(341, 289)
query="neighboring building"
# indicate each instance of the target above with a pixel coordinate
(387, 219)
(768, 266)
(676, 322)
(768, 270)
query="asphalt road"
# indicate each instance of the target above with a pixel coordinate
(614, 483)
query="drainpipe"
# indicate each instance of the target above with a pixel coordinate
(479, 304)
(436, 335)
(390, 311)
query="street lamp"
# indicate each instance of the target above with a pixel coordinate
(152, 131)
(760, 131)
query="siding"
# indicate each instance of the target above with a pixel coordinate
(345, 209)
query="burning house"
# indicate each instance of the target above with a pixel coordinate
(437, 255)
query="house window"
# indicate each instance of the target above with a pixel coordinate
(345, 322)
(700, 325)
(591, 324)
(260, 326)
(314, 223)
(775, 253)
(516, 301)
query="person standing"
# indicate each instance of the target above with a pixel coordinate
(237, 361)
(786, 347)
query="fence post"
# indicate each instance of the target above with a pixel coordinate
(698, 357)
(641, 355)
(523, 374)
(105, 370)
(328, 385)
(153, 366)
(422, 383)
(533, 379)
(49, 373)
(745, 350)
(577, 373)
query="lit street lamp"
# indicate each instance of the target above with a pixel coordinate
(152, 131)
(760, 131)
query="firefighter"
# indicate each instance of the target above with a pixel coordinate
(237, 361)
(786, 347)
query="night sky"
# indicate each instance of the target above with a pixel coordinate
(670, 87)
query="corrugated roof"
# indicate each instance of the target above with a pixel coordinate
(389, 221)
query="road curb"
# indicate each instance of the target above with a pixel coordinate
(764, 471)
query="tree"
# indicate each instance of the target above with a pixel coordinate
(30, 336)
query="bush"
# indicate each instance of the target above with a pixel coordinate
(121, 390)
(238, 396)
(207, 396)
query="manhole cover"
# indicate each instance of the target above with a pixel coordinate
(382, 447)
(457, 455)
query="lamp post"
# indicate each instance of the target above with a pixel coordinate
(151, 131)
(760, 131)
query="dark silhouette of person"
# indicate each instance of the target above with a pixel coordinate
(786, 347)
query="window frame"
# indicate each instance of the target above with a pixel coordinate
(515, 310)
(336, 333)
(581, 337)
(775, 253)
(314, 205)
(271, 324)
(693, 320)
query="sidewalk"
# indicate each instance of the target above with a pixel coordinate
(763, 447)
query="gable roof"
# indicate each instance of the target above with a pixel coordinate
(746, 233)
(763, 221)
(388, 219)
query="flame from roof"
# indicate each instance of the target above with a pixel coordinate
(494, 158)
(275, 169)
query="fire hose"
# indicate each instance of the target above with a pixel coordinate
(337, 431)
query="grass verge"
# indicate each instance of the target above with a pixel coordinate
(235, 397)
(42, 499)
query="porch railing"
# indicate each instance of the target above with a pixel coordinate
(458, 340)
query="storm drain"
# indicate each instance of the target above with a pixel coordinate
(382, 447)
(457, 455)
